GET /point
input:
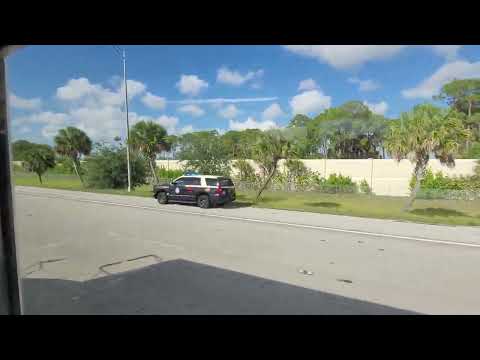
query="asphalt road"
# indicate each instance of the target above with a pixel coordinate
(85, 253)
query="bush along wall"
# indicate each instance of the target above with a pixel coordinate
(440, 186)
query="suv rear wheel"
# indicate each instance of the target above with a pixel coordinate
(203, 201)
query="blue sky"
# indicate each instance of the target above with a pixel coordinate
(182, 87)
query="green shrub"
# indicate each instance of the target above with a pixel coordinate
(168, 174)
(439, 181)
(107, 168)
(440, 186)
(337, 184)
(364, 187)
(38, 159)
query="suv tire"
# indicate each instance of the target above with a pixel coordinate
(203, 201)
(162, 197)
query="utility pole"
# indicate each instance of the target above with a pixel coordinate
(128, 125)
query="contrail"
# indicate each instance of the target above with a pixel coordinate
(222, 100)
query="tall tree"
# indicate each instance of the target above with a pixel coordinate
(464, 96)
(350, 131)
(73, 143)
(425, 131)
(149, 139)
(20, 148)
(38, 158)
(231, 139)
(273, 146)
(205, 152)
(299, 120)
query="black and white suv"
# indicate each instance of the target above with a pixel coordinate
(204, 190)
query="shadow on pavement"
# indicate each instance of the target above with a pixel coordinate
(237, 205)
(324, 204)
(438, 212)
(185, 287)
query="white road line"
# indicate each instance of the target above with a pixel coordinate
(273, 222)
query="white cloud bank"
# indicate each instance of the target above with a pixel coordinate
(272, 112)
(348, 56)
(18, 102)
(310, 102)
(446, 73)
(251, 123)
(235, 78)
(191, 85)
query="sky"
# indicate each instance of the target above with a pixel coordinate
(199, 87)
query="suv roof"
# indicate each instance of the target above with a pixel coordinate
(204, 176)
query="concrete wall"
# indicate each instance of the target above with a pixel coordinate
(385, 176)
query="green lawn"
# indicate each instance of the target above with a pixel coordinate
(451, 212)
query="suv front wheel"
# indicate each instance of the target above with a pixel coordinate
(162, 197)
(203, 201)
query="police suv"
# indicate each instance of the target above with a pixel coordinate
(204, 190)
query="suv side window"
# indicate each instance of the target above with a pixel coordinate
(191, 181)
(180, 181)
(211, 181)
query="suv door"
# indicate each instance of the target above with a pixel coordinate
(175, 189)
(188, 192)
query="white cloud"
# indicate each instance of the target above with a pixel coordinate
(191, 109)
(168, 122)
(51, 122)
(134, 88)
(379, 108)
(450, 52)
(346, 56)
(45, 117)
(310, 102)
(191, 85)
(446, 73)
(24, 104)
(101, 123)
(94, 95)
(272, 112)
(154, 101)
(251, 123)
(76, 89)
(307, 84)
(235, 78)
(229, 112)
(364, 85)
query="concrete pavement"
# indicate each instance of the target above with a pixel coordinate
(234, 260)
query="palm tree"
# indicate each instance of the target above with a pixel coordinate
(272, 146)
(423, 132)
(149, 138)
(73, 143)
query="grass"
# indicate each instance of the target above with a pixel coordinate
(449, 212)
